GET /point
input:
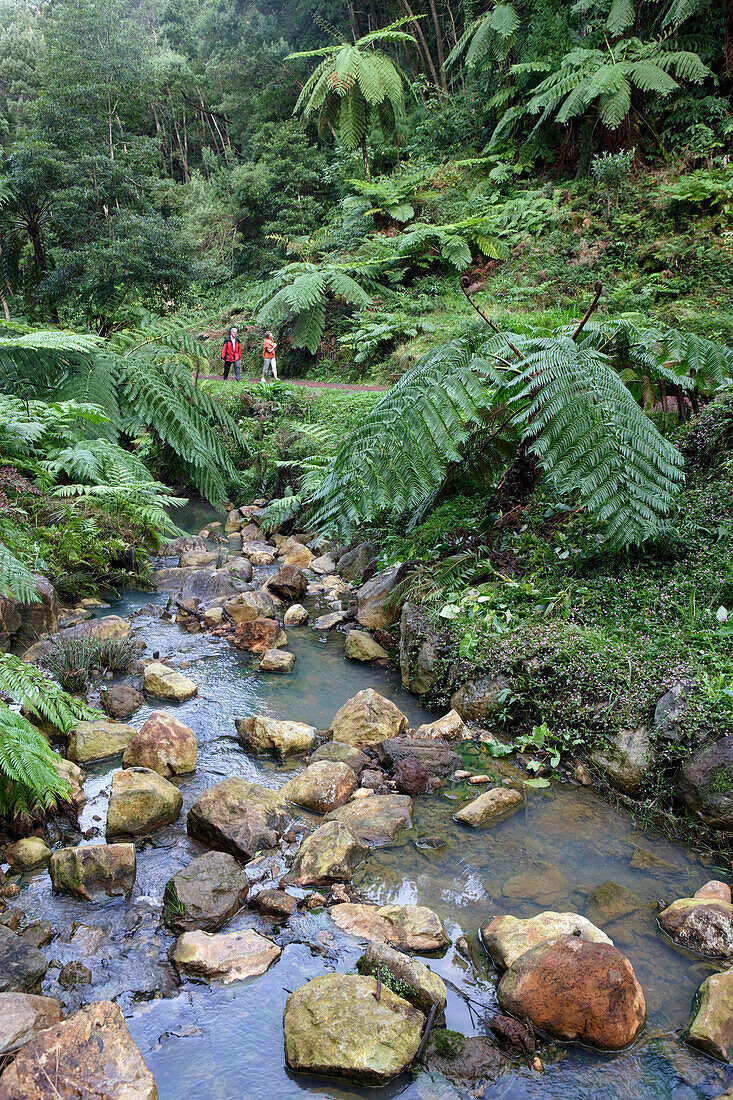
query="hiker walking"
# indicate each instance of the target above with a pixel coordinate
(268, 357)
(231, 355)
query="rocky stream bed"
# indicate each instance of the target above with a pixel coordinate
(313, 884)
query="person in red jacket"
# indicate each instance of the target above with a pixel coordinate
(268, 357)
(231, 355)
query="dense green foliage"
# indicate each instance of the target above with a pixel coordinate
(171, 169)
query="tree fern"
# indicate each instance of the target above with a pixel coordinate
(41, 697)
(564, 400)
(141, 380)
(351, 82)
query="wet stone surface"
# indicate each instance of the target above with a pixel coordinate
(558, 851)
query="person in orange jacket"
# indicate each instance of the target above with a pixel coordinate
(268, 357)
(231, 356)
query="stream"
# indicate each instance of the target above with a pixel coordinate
(226, 1042)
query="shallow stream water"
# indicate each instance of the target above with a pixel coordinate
(209, 1043)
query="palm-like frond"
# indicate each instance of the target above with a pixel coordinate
(29, 779)
(40, 696)
(566, 401)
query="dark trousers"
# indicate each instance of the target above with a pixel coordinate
(237, 364)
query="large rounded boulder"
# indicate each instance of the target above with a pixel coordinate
(506, 938)
(323, 786)
(260, 734)
(290, 582)
(576, 991)
(328, 855)
(94, 871)
(163, 744)
(238, 817)
(204, 894)
(367, 719)
(335, 1026)
(140, 802)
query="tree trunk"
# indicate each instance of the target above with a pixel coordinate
(439, 44)
(364, 155)
(424, 48)
(729, 41)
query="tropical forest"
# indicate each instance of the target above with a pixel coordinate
(366, 549)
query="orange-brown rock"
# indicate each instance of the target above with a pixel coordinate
(714, 891)
(577, 991)
(258, 636)
(163, 744)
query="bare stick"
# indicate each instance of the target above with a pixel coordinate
(598, 290)
(465, 283)
(426, 1033)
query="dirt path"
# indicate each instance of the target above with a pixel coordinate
(347, 386)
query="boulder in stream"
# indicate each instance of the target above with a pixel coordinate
(226, 956)
(205, 894)
(297, 615)
(94, 871)
(260, 734)
(323, 786)
(337, 750)
(711, 1027)
(238, 817)
(376, 820)
(121, 701)
(378, 605)
(576, 991)
(277, 660)
(328, 855)
(164, 682)
(450, 727)
(488, 806)
(258, 635)
(353, 564)
(98, 740)
(250, 605)
(506, 938)
(23, 1016)
(22, 966)
(335, 1026)
(289, 581)
(404, 927)
(367, 719)
(705, 782)
(471, 1062)
(434, 755)
(28, 853)
(89, 1055)
(415, 981)
(163, 744)
(704, 925)
(140, 802)
(205, 585)
(360, 646)
(295, 555)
